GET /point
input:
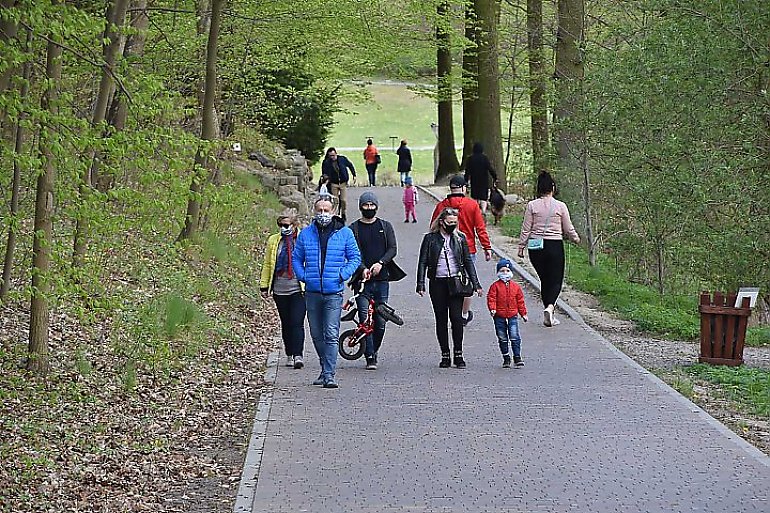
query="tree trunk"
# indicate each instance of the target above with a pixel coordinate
(447, 158)
(537, 77)
(587, 202)
(41, 248)
(134, 47)
(568, 73)
(115, 18)
(8, 31)
(208, 126)
(14, 208)
(470, 78)
(489, 87)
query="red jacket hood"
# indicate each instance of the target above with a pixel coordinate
(470, 220)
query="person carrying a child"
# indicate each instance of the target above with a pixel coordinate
(410, 200)
(505, 300)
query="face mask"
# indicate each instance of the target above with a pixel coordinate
(287, 231)
(505, 276)
(449, 228)
(323, 218)
(368, 213)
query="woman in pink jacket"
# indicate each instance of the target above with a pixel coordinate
(546, 222)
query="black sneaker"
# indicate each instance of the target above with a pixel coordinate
(414, 220)
(319, 380)
(406, 220)
(506, 362)
(446, 362)
(459, 362)
(518, 362)
(371, 363)
(467, 320)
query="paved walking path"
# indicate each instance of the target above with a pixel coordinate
(580, 428)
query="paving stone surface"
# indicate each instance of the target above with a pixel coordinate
(578, 429)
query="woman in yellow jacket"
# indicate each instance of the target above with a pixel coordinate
(279, 280)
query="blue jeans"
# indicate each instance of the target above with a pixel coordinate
(377, 290)
(323, 315)
(508, 330)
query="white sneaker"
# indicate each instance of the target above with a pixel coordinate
(298, 363)
(289, 361)
(554, 321)
(547, 318)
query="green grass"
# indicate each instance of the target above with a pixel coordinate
(748, 387)
(396, 110)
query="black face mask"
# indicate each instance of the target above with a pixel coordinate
(369, 213)
(449, 228)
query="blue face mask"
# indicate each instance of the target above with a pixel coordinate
(323, 218)
(287, 231)
(504, 275)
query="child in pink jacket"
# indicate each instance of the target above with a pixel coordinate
(410, 199)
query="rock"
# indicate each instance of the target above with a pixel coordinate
(296, 201)
(282, 164)
(261, 158)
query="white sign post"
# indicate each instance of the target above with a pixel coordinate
(750, 292)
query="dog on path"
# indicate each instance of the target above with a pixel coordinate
(497, 202)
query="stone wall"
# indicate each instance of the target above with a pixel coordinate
(288, 176)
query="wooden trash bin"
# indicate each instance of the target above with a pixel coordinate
(722, 329)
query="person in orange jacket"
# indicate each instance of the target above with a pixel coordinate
(505, 300)
(471, 223)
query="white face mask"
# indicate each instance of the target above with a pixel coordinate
(287, 231)
(504, 275)
(323, 218)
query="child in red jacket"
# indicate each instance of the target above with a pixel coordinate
(505, 300)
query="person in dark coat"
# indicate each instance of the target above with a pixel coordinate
(477, 171)
(404, 161)
(336, 167)
(443, 254)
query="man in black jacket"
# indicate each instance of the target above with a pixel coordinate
(336, 168)
(377, 241)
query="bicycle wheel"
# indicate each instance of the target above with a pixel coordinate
(352, 344)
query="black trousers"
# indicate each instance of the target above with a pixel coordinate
(446, 309)
(371, 170)
(291, 310)
(549, 264)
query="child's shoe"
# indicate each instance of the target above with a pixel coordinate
(406, 220)
(446, 362)
(518, 362)
(414, 220)
(506, 362)
(459, 361)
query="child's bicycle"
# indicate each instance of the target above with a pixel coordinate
(352, 343)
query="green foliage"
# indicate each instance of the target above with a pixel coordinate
(677, 151)
(758, 336)
(749, 387)
(285, 102)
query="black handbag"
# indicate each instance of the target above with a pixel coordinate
(459, 284)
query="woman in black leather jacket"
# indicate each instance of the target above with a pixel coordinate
(444, 253)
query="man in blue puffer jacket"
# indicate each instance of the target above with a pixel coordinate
(325, 257)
